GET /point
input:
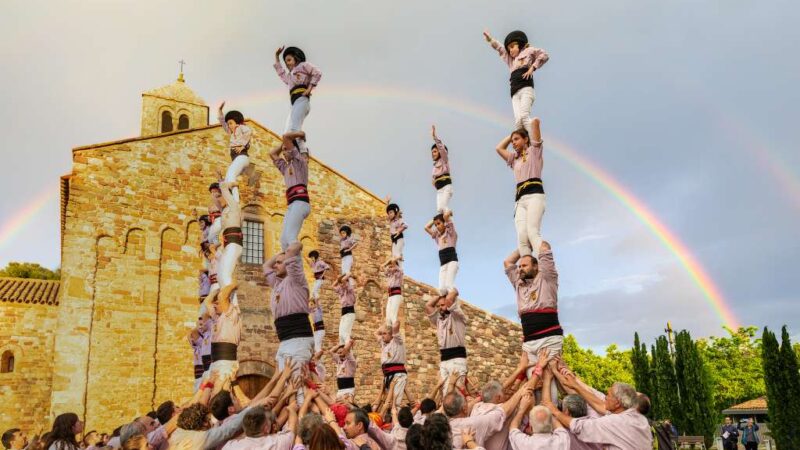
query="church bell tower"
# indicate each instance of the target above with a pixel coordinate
(173, 107)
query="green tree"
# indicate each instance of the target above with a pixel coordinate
(29, 270)
(788, 362)
(668, 406)
(598, 371)
(640, 363)
(775, 382)
(697, 406)
(734, 365)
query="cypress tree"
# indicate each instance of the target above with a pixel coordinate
(641, 366)
(788, 362)
(656, 411)
(695, 389)
(666, 385)
(776, 389)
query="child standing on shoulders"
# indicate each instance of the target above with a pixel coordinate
(396, 228)
(441, 173)
(233, 124)
(346, 245)
(301, 79)
(318, 267)
(522, 59)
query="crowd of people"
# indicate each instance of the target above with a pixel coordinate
(540, 404)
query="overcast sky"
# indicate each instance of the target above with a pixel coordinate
(690, 105)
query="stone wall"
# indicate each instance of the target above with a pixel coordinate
(27, 331)
(129, 276)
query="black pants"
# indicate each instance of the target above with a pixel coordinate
(751, 446)
(730, 445)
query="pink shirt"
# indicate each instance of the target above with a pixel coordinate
(345, 367)
(528, 163)
(450, 328)
(304, 73)
(557, 440)
(347, 243)
(539, 293)
(397, 226)
(442, 165)
(484, 425)
(289, 294)
(399, 434)
(394, 351)
(238, 138)
(319, 266)
(499, 439)
(296, 170)
(628, 430)
(347, 295)
(317, 314)
(529, 56)
(394, 276)
(446, 239)
(227, 326)
(283, 440)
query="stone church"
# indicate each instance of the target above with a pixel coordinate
(109, 341)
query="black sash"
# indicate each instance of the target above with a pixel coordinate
(517, 82)
(447, 354)
(297, 92)
(318, 275)
(232, 235)
(345, 383)
(540, 324)
(447, 255)
(243, 152)
(198, 371)
(529, 186)
(395, 291)
(206, 362)
(389, 371)
(397, 238)
(293, 326)
(223, 351)
(319, 325)
(344, 253)
(442, 180)
(348, 310)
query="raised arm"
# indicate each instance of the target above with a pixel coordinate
(293, 249)
(429, 229)
(225, 189)
(430, 306)
(495, 44)
(221, 118)
(524, 406)
(502, 149)
(511, 260)
(536, 129)
(279, 67)
(275, 153)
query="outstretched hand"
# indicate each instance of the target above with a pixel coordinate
(221, 105)
(278, 53)
(433, 131)
(486, 35)
(544, 358)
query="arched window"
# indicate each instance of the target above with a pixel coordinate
(166, 122)
(7, 362)
(183, 122)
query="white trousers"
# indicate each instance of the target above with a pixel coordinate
(400, 380)
(522, 102)
(296, 213)
(451, 366)
(443, 197)
(300, 351)
(214, 230)
(297, 115)
(447, 277)
(346, 327)
(315, 290)
(341, 393)
(319, 337)
(234, 170)
(227, 264)
(397, 251)
(393, 308)
(224, 369)
(528, 222)
(554, 344)
(347, 264)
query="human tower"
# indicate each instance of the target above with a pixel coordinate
(297, 309)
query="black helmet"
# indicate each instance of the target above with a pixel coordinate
(313, 254)
(346, 229)
(392, 207)
(298, 54)
(516, 36)
(235, 115)
(214, 186)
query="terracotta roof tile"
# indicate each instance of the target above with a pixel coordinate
(27, 290)
(756, 403)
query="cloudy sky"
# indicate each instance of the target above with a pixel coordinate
(689, 107)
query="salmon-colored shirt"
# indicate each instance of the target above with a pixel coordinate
(446, 239)
(394, 276)
(295, 171)
(304, 73)
(529, 56)
(483, 425)
(227, 326)
(346, 293)
(528, 163)
(240, 137)
(393, 352)
(289, 294)
(628, 430)
(320, 266)
(557, 440)
(397, 226)
(541, 292)
(345, 367)
(442, 165)
(451, 328)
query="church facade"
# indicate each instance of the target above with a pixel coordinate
(111, 342)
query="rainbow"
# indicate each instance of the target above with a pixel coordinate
(15, 224)
(710, 291)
